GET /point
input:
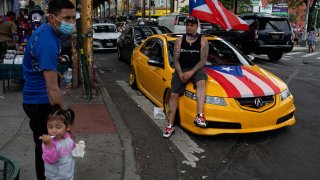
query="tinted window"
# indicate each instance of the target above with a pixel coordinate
(164, 30)
(104, 28)
(147, 47)
(157, 52)
(170, 52)
(277, 25)
(142, 32)
(181, 20)
(221, 53)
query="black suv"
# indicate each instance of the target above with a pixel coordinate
(267, 34)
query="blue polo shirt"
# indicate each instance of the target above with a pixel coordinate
(41, 53)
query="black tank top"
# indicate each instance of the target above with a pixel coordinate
(189, 53)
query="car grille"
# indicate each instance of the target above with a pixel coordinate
(251, 102)
(107, 43)
(285, 118)
(223, 125)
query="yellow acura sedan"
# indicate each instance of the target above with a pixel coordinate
(240, 96)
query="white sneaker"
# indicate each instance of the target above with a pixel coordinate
(200, 121)
(168, 131)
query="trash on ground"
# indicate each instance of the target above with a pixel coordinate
(158, 113)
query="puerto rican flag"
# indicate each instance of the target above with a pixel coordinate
(214, 12)
(241, 81)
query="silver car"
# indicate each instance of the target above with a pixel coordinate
(105, 36)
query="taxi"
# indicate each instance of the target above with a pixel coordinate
(240, 96)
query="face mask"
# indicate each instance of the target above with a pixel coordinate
(65, 28)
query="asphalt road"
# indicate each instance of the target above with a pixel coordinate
(288, 153)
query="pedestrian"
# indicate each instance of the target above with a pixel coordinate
(190, 56)
(311, 38)
(40, 61)
(58, 144)
(8, 33)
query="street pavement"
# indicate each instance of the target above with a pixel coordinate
(109, 154)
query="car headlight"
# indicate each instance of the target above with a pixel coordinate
(209, 99)
(285, 94)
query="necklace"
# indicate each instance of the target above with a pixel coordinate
(191, 38)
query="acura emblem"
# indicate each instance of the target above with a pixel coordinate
(258, 102)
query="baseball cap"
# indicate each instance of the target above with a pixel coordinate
(192, 20)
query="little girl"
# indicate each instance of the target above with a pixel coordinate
(58, 145)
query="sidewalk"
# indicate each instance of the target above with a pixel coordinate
(109, 154)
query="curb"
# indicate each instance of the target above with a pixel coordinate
(129, 165)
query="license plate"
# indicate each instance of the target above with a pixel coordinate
(109, 44)
(275, 37)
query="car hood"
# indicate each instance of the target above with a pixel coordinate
(242, 81)
(106, 35)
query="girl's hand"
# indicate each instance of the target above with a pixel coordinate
(46, 139)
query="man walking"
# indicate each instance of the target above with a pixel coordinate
(40, 62)
(8, 33)
(190, 55)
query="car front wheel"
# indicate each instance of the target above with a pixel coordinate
(275, 56)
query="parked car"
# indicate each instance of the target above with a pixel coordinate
(270, 35)
(105, 36)
(133, 37)
(240, 96)
(175, 23)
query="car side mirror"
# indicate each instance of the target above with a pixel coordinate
(155, 62)
(251, 58)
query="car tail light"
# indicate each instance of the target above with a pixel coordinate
(256, 35)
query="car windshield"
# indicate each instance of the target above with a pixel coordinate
(277, 25)
(142, 32)
(220, 53)
(104, 28)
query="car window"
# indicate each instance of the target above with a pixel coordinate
(155, 30)
(147, 47)
(222, 53)
(104, 28)
(142, 33)
(164, 30)
(157, 52)
(181, 20)
(170, 45)
(277, 25)
(249, 21)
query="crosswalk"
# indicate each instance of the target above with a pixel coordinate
(294, 55)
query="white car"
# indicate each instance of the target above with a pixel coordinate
(105, 36)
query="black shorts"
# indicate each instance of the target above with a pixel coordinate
(178, 87)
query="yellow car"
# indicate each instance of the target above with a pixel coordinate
(240, 96)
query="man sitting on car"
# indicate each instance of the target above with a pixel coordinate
(190, 56)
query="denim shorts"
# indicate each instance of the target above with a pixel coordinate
(178, 87)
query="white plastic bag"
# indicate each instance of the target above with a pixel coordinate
(158, 113)
(79, 149)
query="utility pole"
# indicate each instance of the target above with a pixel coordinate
(143, 10)
(172, 6)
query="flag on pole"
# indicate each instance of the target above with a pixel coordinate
(214, 12)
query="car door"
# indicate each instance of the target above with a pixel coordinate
(155, 80)
(142, 62)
